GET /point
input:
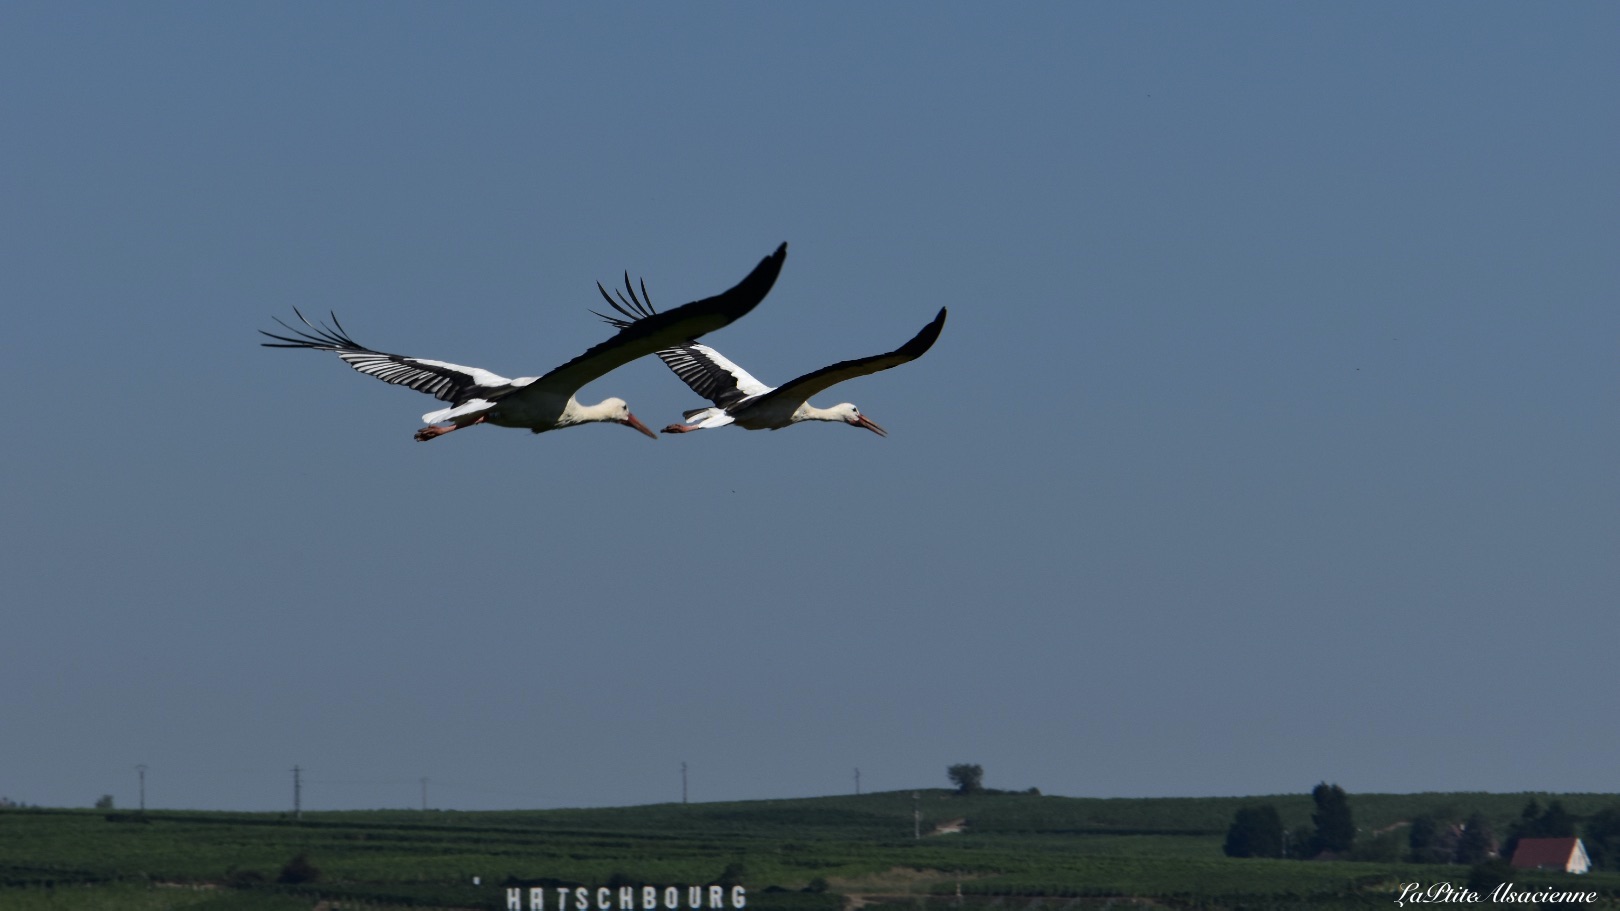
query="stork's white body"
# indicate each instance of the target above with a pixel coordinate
(768, 414)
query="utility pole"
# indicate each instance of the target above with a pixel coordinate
(916, 817)
(298, 794)
(683, 782)
(142, 770)
(424, 794)
(857, 780)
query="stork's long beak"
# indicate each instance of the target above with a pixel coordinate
(630, 421)
(862, 420)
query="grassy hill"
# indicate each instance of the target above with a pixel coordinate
(797, 855)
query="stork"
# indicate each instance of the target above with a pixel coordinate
(742, 400)
(543, 403)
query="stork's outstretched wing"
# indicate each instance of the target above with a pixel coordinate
(652, 331)
(447, 382)
(706, 371)
(802, 388)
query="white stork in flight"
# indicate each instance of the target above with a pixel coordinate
(742, 400)
(547, 402)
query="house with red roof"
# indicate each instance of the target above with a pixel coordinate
(1566, 854)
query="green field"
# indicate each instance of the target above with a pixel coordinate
(1020, 851)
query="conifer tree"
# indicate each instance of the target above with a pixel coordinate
(1335, 829)
(1475, 844)
(1602, 836)
(1424, 841)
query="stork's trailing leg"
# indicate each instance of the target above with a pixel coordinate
(438, 430)
(681, 428)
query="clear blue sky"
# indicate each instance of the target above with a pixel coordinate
(1272, 438)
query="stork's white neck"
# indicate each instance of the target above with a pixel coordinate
(809, 412)
(613, 409)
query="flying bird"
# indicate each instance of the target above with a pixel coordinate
(542, 403)
(742, 400)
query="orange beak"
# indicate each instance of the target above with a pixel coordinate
(630, 421)
(862, 420)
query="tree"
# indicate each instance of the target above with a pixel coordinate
(1297, 843)
(1476, 844)
(1335, 829)
(1423, 840)
(1255, 832)
(1556, 822)
(104, 802)
(299, 870)
(1602, 836)
(1530, 813)
(969, 779)
(733, 875)
(1534, 822)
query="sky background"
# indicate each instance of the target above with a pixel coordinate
(1271, 438)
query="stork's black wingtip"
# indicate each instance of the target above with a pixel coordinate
(758, 282)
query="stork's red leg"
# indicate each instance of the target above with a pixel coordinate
(438, 430)
(681, 428)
